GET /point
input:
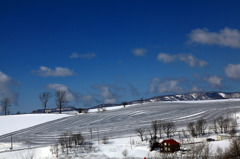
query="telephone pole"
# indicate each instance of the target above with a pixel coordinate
(11, 143)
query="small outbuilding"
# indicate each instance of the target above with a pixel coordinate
(224, 137)
(169, 145)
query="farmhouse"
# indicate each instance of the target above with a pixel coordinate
(169, 146)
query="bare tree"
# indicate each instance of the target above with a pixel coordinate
(31, 154)
(140, 132)
(60, 99)
(81, 110)
(125, 152)
(154, 127)
(226, 123)
(219, 153)
(191, 129)
(184, 133)
(124, 104)
(215, 126)
(141, 100)
(232, 127)
(66, 141)
(200, 151)
(44, 97)
(6, 105)
(55, 149)
(201, 126)
(105, 140)
(79, 139)
(160, 128)
(169, 128)
(220, 123)
(234, 150)
(150, 133)
(91, 133)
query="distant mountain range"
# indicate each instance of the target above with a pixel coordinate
(184, 97)
(55, 110)
(177, 97)
(197, 96)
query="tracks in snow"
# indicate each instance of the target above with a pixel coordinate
(122, 122)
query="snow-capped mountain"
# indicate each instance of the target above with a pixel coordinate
(182, 97)
(196, 96)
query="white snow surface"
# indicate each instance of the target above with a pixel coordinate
(112, 150)
(11, 123)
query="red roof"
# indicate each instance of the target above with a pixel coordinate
(171, 142)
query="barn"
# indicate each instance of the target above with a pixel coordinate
(169, 145)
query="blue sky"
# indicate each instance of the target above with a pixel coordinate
(113, 51)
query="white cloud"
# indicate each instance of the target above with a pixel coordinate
(165, 86)
(133, 90)
(106, 94)
(60, 87)
(71, 97)
(110, 101)
(191, 60)
(164, 57)
(109, 93)
(187, 58)
(86, 99)
(139, 51)
(233, 71)
(75, 55)
(225, 37)
(154, 84)
(214, 81)
(6, 83)
(57, 72)
(4, 78)
(196, 89)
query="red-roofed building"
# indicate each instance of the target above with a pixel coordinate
(169, 146)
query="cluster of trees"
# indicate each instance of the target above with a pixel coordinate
(197, 128)
(219, 125)
(68, 142)
(60, 99)
(156, 131)
(160, 127)
(224, 125)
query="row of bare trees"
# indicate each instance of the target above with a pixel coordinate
(156, 131)
(224, 125)
(204, 151)
(220, 124)
(67, 141)
(197, 128)
(158, 128)
(60, 99)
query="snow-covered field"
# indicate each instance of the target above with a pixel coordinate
(11, 123)
(117, 123)
(112, 150)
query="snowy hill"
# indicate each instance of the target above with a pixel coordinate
(11, 123)
(117, 124)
